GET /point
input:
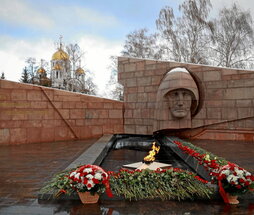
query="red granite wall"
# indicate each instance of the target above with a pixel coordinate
(30, 114)
(226, 95)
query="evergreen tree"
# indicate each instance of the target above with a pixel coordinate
(2, 76)
(25, 76)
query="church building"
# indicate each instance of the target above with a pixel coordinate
(63, 75)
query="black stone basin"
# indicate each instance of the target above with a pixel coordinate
(127, 149)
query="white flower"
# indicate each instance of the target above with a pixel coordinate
(226, 172)
(88, 170)
(77, 175)
(232, 178)
(207, 157)
(90, 184)
(247, 173)
(89, 176)
(239, 172)
(79, 186)
(98, 176)
(72, 174)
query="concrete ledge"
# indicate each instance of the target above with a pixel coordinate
(95, 154)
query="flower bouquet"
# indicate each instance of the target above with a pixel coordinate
(90, 180)
(233, 181)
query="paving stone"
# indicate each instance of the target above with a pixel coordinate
(26, 168)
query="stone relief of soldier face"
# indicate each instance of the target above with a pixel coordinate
(179, 102)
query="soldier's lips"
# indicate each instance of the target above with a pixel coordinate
(180, 110)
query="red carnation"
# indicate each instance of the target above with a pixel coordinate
(232, 168)
(222, 176)
(238, 186)
(85, 181)
(241, 180)
(247, 183)
(96, 181)
(63, 191)
(81, 169)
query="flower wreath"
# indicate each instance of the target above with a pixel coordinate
(90, 178)
(234, 180)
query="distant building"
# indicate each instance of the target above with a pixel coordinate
(62, 75)
(41, 77)
(60, 68)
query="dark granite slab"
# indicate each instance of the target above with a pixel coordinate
(193, 163)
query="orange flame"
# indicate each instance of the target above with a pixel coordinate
(151, 155)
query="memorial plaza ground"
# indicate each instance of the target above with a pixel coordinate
(26, 168)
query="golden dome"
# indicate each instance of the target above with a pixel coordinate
(41, 70)
(80, 71)
(57, 67)
(60, 55)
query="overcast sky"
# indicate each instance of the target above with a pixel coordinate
(30, 28)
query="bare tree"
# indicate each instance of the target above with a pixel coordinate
(115, 90)
(140, 44)
(31, 69)
(91, 87)
(45, 65)
(185, 39)
(75, 53)
(233, 38)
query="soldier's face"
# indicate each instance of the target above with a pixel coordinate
(179, 102)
